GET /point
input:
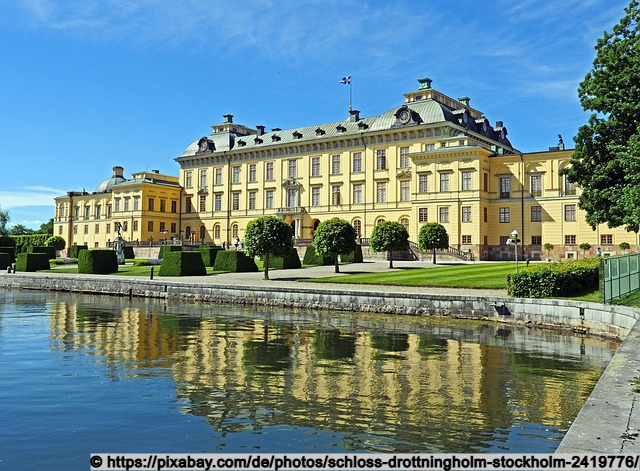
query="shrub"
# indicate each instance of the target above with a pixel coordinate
(6, 241)
(97, 261)
(32, 262)
(209, 254)
(128, 252)
(56, 241)
(291, 260)
(50, 251)
(353, 257)
(557, 279)
(178, 263)
(75, 250)
(164, 249)
(312, 258)
(5, 260)
(11, 251)
(234, 261)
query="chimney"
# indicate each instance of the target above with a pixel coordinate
(118, 172)
(499, 124)
(228, 118)
(155, 171)
(260, 130)
(354, 116)
(425, 83)
(464, 100)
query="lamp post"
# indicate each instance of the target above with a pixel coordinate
(165, 236)
(514, 240)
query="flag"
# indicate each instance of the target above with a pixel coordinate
(346, 79)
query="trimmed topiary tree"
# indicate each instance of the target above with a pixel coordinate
(389, 236)
(268, 236)
(209, 253)
(97, 262)
(128, 252)
(290, 260)
(11, 251)
(313, 259)
(353, 257)
(30, 262)
(334, 237)
(5, 260)
(178, 263)
(50, 251)
(164, 249)
(74, 250)
(433, 236)
(234, 261)
(56, 242)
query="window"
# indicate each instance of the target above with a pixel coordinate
(126, 205)
(149, 226)
(315, 196)
(203, 203)
(216, 231)
(504, 239)
(569, 212)
(59, 230)
(536, 213)
(234, 231)
(569, 188)
(429, 147)
(466, 240)
(218, 176)
(335, 195)
(235, 201)
(536, 185)
(335, 164)
(174, 206)
(173, 227)
(443, 215)
(381, 192)
(404, 157)
(485, 215)
(505, 214)
(116, 209)
(293, 168)
(203, 178)
(125, 226)
(357, 225)
(252, 173)
(443, 144)
(163, 206)
(357, 162)
(381, 159)
(536, 240)
(136, 203)
(75, 229)
(108, 228)
(466, 214)
(151, 204)
(423, 214)
(569, 240)
(86, 228)
(252, 199)
(423, 183)
(236, 174)
(357, 193)
(268, 199)
(97, 229)
(108, 210)
(188, 207)
(505, 187)
(217, 202)
(444, 182)
(163, 227)
(606, 239)
(268, 171)
(405, 190)
(87, 211)
(315, 166)
(485, 181)
(187, 179)
(466, 181)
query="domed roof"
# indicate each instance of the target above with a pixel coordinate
(117, 177)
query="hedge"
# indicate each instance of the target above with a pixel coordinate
(209, 254)
(128, 252)
(24, 241)
(178, 263)
(97, 262)
(11, 251)
(75, 250)
(234, 261)
(5, 260)
(32, 262)
(312, 258)
(353, 257)
(291, 260)
(6, 241)
(164, 249)
(50, 251)
(555, 279)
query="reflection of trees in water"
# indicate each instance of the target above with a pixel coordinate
(333, 345)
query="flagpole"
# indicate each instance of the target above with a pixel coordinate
(350, 95)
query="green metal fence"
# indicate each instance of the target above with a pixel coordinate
(619, 276)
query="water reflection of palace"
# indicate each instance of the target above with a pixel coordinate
(427, 385)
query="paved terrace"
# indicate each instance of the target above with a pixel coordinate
(609, 421)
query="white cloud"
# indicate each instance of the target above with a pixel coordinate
(29, 196)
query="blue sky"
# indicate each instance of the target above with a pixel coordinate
(90, 84)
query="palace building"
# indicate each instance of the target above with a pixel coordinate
(430, 159)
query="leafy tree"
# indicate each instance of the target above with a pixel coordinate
(433, 236)
(624, 246)
(585, 247)
(266, 236)
(46, 228)
(606, 160)
(548, 247)
(4, 220)
(56, 241)
(334, 237)
(389, 236)
(20, 229)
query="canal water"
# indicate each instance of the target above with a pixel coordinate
(92, 374)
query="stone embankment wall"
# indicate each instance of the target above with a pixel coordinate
(593, 318)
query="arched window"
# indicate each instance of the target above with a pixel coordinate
(234, 231)
(187, 232)
(405, 223)
(357, 225)
(379, 220)
(203, 233)
(216, 231)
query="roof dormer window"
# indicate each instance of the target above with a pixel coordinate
(297, 135)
